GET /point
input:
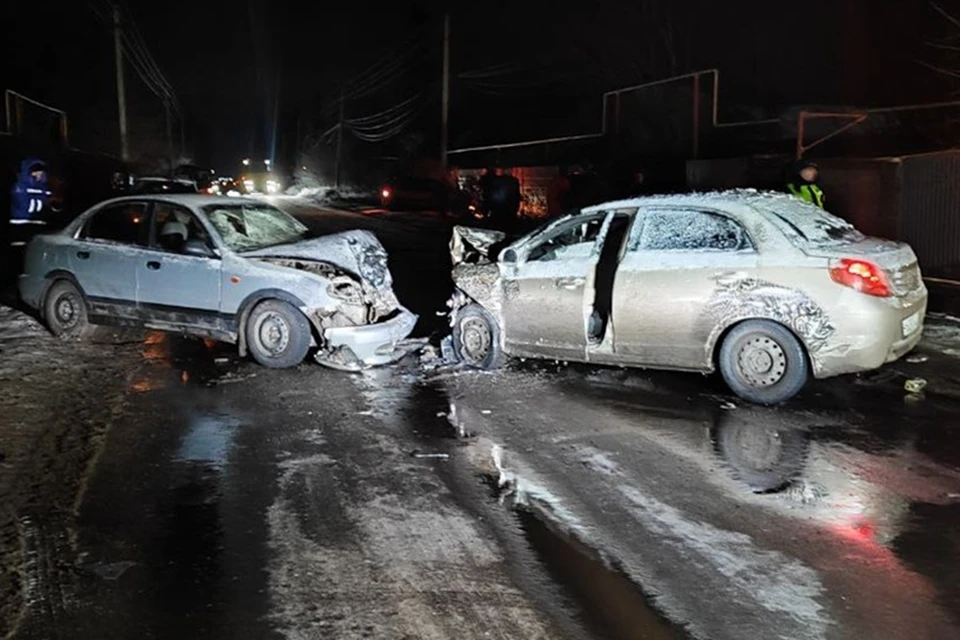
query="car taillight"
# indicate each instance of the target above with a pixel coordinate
(861, 275)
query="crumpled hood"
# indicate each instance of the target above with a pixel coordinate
(475, 246)
(358, 252)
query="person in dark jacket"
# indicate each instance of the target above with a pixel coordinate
(514, 196)
(485, 184)
(804, 183)
(28, 202)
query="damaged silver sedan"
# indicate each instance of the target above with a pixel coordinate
(241, 272)
(762, 286)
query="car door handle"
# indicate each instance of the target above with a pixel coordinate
(570, 283)
(83, 255)
(153, 265)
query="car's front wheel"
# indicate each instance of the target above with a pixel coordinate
(65, 311)
(278, 335)
(476, 338)
(763, 362)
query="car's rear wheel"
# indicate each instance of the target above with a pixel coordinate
(763, 362)
(476, 338)
(278, 335)
(65, 311)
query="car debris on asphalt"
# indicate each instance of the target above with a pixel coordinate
(915, 385)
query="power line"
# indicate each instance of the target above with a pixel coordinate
(139, 57)
(384, 115)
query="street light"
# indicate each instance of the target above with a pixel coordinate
(246, 162)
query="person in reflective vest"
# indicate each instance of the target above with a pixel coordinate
(28, 202)
(804, 183)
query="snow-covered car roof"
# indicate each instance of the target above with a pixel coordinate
(723, 199)
(796, 218)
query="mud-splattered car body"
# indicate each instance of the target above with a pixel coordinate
(340, 283)
(659, 281)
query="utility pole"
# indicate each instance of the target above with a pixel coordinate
(339, 142)
(121, 99)
(166, 108)
(445, 108)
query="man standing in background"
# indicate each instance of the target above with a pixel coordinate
(804, 183)
(28, 209)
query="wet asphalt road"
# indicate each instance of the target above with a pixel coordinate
(543, 501)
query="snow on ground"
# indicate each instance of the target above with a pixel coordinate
(22, 339)
(941, 333)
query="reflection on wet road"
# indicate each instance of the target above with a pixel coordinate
(806, 519)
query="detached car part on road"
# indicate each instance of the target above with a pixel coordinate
(762, 286)
(239, 272)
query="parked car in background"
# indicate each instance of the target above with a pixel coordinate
(239, 271)
(424, 194)
(149, 185)
(764, 287)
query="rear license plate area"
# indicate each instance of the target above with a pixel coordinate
(911, 324)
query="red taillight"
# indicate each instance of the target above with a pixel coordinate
(385, 193)
(861, 275)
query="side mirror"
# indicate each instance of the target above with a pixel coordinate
(509, 256)
(198, 248)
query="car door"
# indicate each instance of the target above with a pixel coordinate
(675, 261)
(544, 302)
(104, 256)
(178, 278)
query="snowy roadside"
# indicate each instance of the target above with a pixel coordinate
(57, 403)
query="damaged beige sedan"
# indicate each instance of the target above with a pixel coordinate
(762, 286)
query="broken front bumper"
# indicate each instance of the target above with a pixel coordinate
(354, 348)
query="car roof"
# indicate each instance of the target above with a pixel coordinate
(729, 200)
(186, 199)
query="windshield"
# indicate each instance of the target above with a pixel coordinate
(247, 227)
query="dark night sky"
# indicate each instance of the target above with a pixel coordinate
(227, 60)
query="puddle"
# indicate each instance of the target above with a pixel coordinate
(759, 449)
(208, 440)
(608, 602)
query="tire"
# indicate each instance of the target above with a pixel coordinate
(65, 311)
(763, 362)
(764, 457)
(476, 338)
(278, 335)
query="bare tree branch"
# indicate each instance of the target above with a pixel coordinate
(941, 70)
(946, 14)
(945, 47)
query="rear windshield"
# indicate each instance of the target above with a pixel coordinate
(807, 225)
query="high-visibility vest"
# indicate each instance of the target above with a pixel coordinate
(809, 192)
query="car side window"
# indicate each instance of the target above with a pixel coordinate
(574, 239)
(690, 231)
(124, 223)
(174, 226)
